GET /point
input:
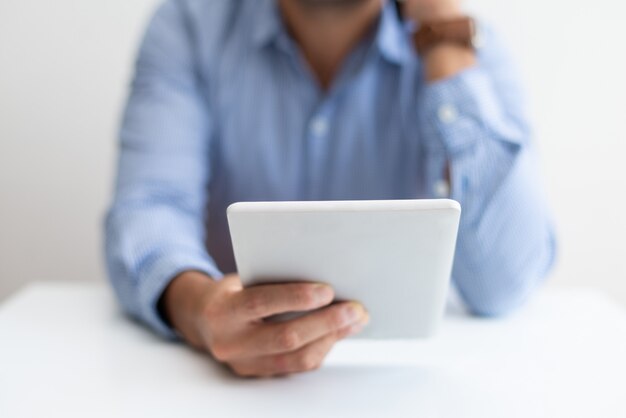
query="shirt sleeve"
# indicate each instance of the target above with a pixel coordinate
(474, 123)
(155, 227)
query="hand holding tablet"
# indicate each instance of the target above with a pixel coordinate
(393, 256)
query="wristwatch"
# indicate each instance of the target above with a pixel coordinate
(460, 31)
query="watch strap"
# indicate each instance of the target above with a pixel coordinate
(460, 31)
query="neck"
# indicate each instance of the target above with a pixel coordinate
(327, 30)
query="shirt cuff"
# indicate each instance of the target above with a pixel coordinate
(154, 280)
(457, 111)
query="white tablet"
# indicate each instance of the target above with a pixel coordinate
(394, 256)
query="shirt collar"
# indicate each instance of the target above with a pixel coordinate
(391, 37)
(267, 24)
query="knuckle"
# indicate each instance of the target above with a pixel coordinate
(309, 361)
(211, 311)
(281, 363)
(254, 304)
(288, 339)
(335, 319)
(221, 352)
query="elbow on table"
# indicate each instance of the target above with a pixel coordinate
(503, 294)
(117, 264)
(507, 284)
(496, 306)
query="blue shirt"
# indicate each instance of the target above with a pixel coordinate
(223, 108)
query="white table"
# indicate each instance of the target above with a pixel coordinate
(65, 350)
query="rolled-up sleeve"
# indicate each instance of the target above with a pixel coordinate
(474, 128)
(155, 226)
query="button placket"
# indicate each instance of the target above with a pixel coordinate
(447, 113)
(317, 133)
(442, 189)
(318, 127)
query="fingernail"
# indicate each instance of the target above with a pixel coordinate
(355, 311)
(323, 293)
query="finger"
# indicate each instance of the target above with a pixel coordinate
(292, 335)
(307, 358)
(231, 283)
(266, 300)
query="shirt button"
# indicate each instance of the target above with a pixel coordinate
(319, 126)
(442, 189)
(447, 113)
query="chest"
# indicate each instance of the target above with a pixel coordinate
(278, 136)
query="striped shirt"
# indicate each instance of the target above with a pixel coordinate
(223, 108)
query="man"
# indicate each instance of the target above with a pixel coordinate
(242, 100)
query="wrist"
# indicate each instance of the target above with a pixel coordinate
(182, 302)
(446, 60)
(446, 45)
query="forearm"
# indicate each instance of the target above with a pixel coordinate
(155, 228)
(147, 245)
(506, 242)
(477, 139)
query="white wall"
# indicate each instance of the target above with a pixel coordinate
(64, 68)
